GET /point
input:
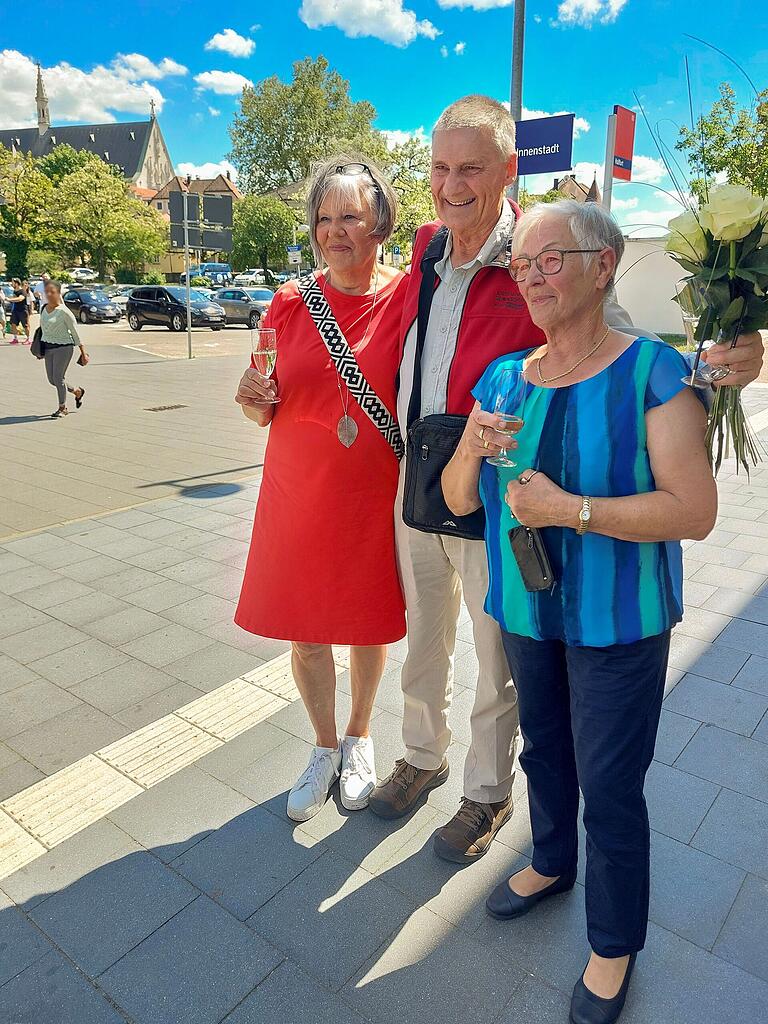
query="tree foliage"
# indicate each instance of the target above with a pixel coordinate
(24, 217)
(408, 166)
(282, 129)
(64, 160)
(263, 227)
(98, 220)
(729, 140)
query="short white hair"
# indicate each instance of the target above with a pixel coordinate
(590, 225)
(478, 111)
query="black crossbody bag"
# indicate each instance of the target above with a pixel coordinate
(432, 440)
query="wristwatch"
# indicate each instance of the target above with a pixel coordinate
(584, 516)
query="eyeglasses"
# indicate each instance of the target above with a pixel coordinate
(354, 169)
(548, 261)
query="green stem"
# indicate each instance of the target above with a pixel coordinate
(732, 261)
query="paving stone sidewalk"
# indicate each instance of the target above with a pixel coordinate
(198, 901)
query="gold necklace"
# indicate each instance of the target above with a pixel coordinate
(559, 376)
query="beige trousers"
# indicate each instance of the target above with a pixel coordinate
(435, 570)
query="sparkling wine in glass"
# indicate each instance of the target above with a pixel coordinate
(264, 348)
(510, 399)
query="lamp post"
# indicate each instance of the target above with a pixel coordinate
(516, 94)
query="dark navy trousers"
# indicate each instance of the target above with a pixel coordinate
(589, 718)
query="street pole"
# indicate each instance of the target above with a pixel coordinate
(516, 95)
(185, 196)
(610, 153)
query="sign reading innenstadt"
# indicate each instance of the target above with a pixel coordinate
(545, 144)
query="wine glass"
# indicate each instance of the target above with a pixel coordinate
(692, 308)
(264, 348)
(510, 399)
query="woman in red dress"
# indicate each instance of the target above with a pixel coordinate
(321, 568)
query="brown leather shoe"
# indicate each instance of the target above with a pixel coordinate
(399, 794)
(470, 832)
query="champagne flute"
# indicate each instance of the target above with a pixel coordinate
(510, 399)
(264, 348)
(692, 308)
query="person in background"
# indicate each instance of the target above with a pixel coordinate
(40, 291)
(611, 468)
(59, 336)
(19, 313)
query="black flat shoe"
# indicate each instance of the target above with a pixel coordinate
(587, 1008)
(504, 905)
(79, 401)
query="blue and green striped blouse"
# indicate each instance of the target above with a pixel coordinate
(590, 438)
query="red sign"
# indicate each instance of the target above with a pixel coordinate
(625, 143)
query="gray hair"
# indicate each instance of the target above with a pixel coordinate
(590, 225)
(481, 112)
(373, 187)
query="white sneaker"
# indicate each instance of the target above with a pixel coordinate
(358, 772)
(310, 791)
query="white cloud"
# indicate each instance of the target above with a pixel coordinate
(136, 66)
(231, 42)
(537, 18)
(207, 170)
(396, 136)
(387, 20)
(78, 96)
(443, 51)
(476, 5)
(586, 12)
(213, 111)
(580, 124)
(459, 49)
(223, 83)
(624, 204)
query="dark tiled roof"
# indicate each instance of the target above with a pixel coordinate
(202, 186)
(121, 143)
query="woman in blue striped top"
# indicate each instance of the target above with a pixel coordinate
(612, 469)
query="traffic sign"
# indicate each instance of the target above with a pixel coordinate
(545, 144)
(396, 250)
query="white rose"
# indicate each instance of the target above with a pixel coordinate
(731, 212)
(686, 237)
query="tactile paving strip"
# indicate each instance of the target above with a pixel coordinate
(17, 847)
(56, 808)
(232, 709)
(158, 750)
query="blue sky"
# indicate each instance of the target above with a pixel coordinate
(408, 57)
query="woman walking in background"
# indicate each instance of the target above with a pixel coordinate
(19, 313)
(59, 336)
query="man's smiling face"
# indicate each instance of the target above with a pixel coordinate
(469, 177)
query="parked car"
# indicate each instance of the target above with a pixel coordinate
(119, 293)
(218, 274)
(244, 305)
(6, 291)
(82, 275)
(254, 277)
(91, 305)
(166, 306)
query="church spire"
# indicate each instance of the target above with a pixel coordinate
(41, 97)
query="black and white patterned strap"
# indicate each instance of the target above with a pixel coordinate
(347, 366)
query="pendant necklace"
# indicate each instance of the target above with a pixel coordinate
(346, 429)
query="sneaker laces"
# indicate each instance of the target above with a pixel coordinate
(404, 774)
(473, 814)
(356, 761)
(312, 775)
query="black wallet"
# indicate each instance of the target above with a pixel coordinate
(532, 558)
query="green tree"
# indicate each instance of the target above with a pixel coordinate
(408, 166)
(263, 227)
(97, 219)
(64, 160)
(24, 216)
(729, 140)
(526, 199)
(281, 129)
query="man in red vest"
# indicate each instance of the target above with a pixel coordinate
(476, 314)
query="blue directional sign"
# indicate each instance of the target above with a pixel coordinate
(396, 250)
(545, 144)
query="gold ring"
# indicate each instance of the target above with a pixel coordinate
(481, 435)
(486, 444)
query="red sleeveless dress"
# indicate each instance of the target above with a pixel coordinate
(321, 567)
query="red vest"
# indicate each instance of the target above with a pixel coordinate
(494, 321)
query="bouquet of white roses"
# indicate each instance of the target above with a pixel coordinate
(724, 247)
